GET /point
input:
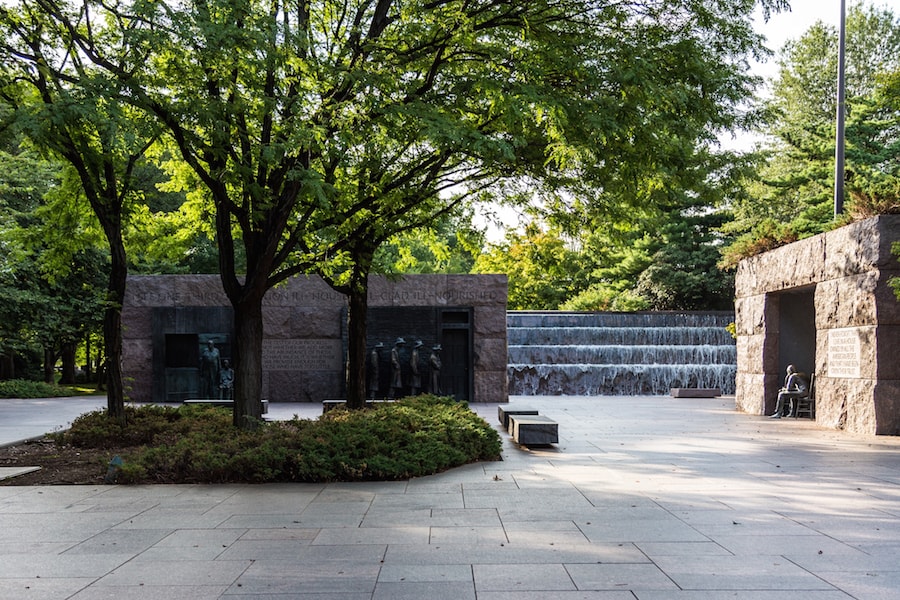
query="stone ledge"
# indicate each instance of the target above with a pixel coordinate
(695, 392)
(10, 472)
(534, 430)
(504, 412)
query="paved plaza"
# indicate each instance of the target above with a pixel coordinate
(644, 498)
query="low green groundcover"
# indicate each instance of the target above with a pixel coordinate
(23, 388)
(194, 444)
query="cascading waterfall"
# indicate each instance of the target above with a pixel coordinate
(556, 353)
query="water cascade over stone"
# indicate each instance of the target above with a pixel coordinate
(587, 354)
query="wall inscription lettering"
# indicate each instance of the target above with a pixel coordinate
(844, 353)
(301, 355)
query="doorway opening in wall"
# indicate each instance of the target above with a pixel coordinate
(797, 330)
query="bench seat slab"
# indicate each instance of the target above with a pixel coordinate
(503, 413)
(534, 430)
(695, 392)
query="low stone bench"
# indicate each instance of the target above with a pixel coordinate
(695, 392)
(504, 412)
(222, 403)
(331, 403)
(534, 430)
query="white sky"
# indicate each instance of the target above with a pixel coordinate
(803, 14)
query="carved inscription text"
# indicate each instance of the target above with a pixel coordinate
(301, 355)
(843, 353)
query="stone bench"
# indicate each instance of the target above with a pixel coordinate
(695, 392)
(222, 403)
(331, 403)
(534, 430)
(504, 412)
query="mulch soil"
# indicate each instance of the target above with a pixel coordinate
(60, 464)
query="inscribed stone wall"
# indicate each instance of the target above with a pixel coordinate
(303, 351)
(857, 324)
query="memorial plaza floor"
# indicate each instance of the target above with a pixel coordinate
(644, 498)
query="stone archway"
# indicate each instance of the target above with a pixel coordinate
(856, 323)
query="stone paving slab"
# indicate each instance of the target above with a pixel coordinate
(10, 472)
(643, 498)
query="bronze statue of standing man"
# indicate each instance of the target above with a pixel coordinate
(396, 374)
(374, 362)
(415, 378)
(209, 371)
(226, 381)
(434, 362)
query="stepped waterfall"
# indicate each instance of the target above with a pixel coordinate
(589, 354)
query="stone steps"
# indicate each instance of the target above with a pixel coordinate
(568, 353)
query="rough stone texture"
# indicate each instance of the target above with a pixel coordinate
(792, 266)
(887, 407)
(847, 302)
(888, 345)
(491, 354)
(491, 384)
(849, 269)
(750, 315)
(139, 379)
(306, 308)
(490, 323)
(750, 353)
(750, 396)
(302, 322)
(181, 290)
(137, 322)
(861, 247)
(757, 378)
(847, 404)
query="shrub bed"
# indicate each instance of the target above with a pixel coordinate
(197, 444)
(23, 388)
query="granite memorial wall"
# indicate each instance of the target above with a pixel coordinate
(169, 320)
(825, 305)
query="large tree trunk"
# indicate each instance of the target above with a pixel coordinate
(248, 331)
(88, 368)
(112, 326)
(358, 303)
(68, 363)
(7, 366)
(49, 365)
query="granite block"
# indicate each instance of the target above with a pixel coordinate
(534, 430)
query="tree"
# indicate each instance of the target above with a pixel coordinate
(321, 130)
(44, 304)
(795, 195)
(447, 246)
(26, 179)
(874, 127)
(172, 230)
(544, 270)
(102, 141)
(682, 274)
(665, 263)
(895, 281)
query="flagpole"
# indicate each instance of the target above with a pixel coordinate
(841, 111)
